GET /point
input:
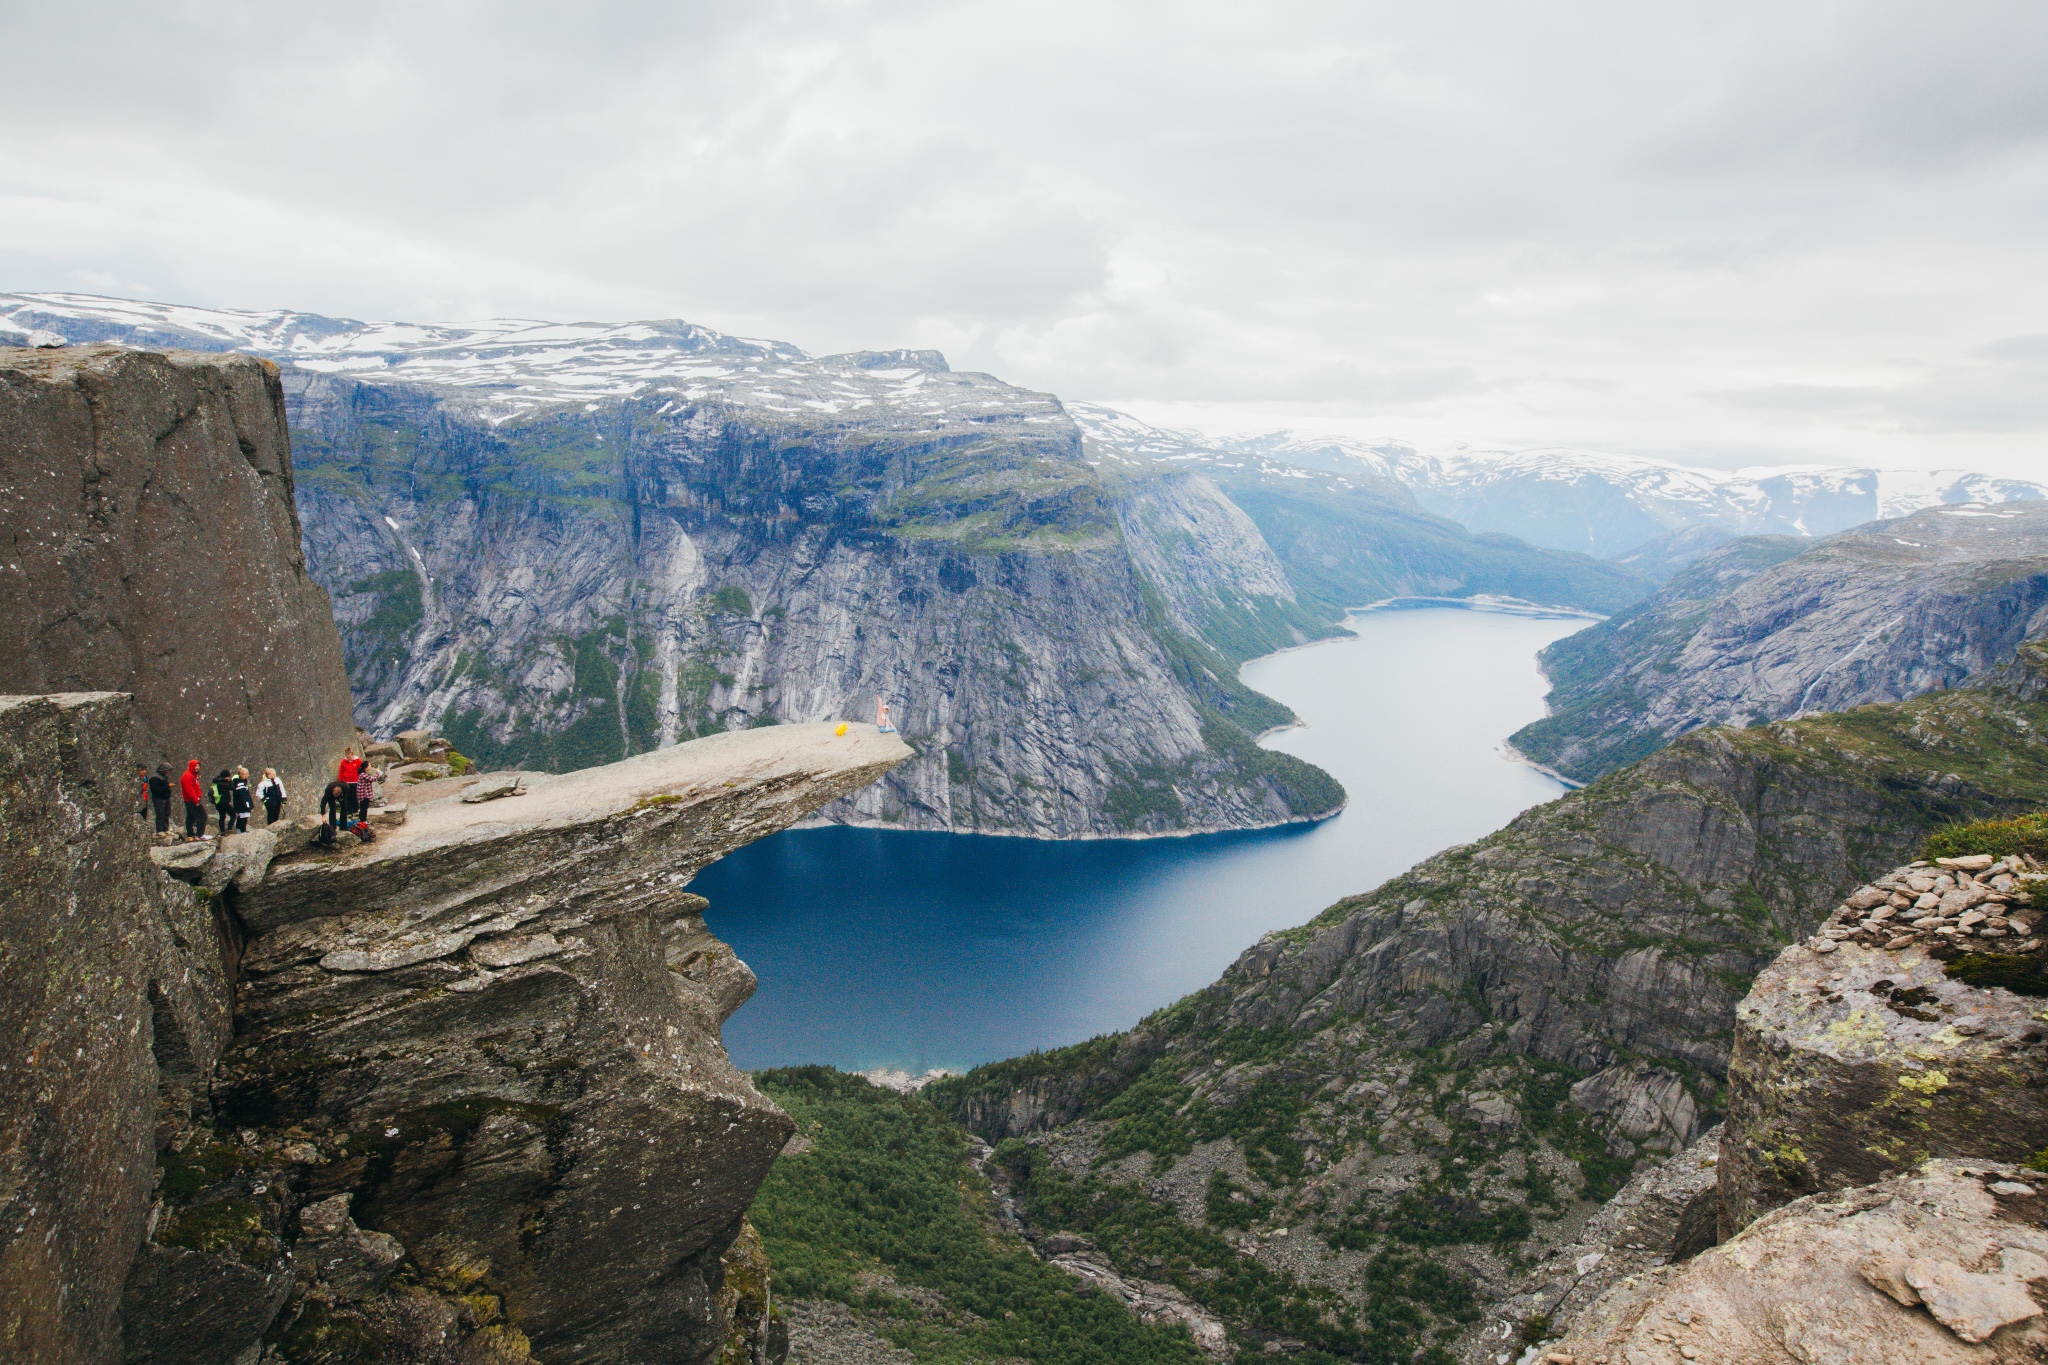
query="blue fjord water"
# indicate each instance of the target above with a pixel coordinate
(885, 948)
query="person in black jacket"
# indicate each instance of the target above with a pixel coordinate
(160, 796)
(332, 805)
(241, 799)
(222, 794)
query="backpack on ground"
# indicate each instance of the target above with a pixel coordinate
(361, 829)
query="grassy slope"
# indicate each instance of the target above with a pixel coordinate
(885, 1197)
(885, 1193)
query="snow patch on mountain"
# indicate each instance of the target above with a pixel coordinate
(502, 368)
(1599, 502)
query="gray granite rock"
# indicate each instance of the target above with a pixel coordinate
(155, 551)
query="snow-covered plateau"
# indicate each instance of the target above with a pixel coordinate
(1597, 502)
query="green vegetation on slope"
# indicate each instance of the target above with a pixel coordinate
(885, 1196)
(1403, 1297)
(1376, 1072)
(2027, 834)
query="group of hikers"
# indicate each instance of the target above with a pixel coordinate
(345, 800)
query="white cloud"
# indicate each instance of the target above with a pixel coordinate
(1722, 232)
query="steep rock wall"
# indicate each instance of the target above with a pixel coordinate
(115, 997)
(584, 586)
(153, 548)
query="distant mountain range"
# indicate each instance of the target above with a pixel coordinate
(1626, 507)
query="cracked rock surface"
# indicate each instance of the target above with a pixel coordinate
(1941, 1265)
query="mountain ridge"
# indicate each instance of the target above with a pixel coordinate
(562, 544)
(1771, 628)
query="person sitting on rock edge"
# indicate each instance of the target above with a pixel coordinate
(239, 790)
(160, 797)
(195, 801)
(222, 794)
(270, 791)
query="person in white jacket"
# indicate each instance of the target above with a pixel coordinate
(270, 791)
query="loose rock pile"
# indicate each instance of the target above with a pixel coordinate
(1949, 907)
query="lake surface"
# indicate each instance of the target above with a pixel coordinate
(902, 949)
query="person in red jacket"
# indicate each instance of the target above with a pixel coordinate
(195, 801)
(351, 769)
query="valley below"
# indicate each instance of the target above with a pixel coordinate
(913, 951)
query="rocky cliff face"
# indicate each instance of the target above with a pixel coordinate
(115, 995)
(153, 548)
(1876, 1184)
(454, 1097)
(1767, 629)
(1878, 1044)
(450, 1097)
(1470, 1055)
(719, 568)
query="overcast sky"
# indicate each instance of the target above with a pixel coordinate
(1723, 232)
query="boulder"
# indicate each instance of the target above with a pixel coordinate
(384, 748)
(413, 743)
(240, 860)
(294, 834)
(348, 1261)
(388, 817)
(1853, 1064)
(1943, 1265)
(495, 787)
(185, 861)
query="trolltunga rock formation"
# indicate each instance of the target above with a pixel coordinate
(475, 1109)
(492, 1037)
(151, 546)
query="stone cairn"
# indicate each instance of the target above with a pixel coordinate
(1949, 907)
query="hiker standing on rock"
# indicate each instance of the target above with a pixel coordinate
(351, 769)
(223, 797)
(239, 788)
(195, 801)
(366, 789)
(160, 797)
(270, 791)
